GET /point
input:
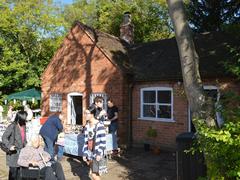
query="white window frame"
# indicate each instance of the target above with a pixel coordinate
(156, 89)
(57, 105)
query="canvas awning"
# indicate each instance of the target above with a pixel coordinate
(25, 95)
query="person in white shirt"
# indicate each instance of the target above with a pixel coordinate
(10, 113)
(29, 112)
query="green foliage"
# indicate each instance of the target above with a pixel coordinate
(209, 15)
(152, 133)
(233, 65)
(150, 18)
(30, 32)
(221, 146)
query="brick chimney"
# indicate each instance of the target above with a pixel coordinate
(127, 28)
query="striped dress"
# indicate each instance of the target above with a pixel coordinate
(100, 140)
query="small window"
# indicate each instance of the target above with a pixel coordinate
(157, 104)
(55, 102)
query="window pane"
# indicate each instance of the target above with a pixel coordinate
(149, 111)
(149, 96)
(164, 112)
(164, 97)
(211, 93)
(55, 102)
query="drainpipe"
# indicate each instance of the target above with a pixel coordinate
(129, 135)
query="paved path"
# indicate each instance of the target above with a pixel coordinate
(133, 165)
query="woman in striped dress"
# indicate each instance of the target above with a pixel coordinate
(94, 144)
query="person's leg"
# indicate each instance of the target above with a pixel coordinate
(47, 173)
(13, 173)
(49, 146)
(95, 176)
(113, 130)
(57, 168)
(60, 152)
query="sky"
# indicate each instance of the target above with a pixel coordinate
(67, 1)
(64, 1)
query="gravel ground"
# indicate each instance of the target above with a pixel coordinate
(133, 165)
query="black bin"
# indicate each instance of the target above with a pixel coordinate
(189, 167)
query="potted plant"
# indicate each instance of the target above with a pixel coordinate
(151, 134)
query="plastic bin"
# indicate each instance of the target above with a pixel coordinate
(189, 167)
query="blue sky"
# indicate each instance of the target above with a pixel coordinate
(64, 1)
(67, 1)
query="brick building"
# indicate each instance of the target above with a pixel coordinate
(144, 80)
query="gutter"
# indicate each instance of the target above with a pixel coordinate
(129, 123)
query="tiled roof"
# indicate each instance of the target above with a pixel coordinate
(159, 60)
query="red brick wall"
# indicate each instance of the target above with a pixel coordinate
(167, 131)
(80, 66)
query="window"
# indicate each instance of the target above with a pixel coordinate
(55, 102)
(104, 95)
(157, 104)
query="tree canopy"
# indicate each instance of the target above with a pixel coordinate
(213, 15)
(30, 32)
(150, 18)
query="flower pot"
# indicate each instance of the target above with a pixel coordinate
(146, 147)
(156, 150)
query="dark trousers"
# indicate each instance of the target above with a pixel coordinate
(49, 146)
(55, 172)
(13, 173)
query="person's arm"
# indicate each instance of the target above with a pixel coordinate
(100, 140)
(24, 158)
(85, 145)
(114, 117)
(59, 124)
(6, 137)
(46, 156)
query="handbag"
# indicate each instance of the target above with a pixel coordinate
(4, 147)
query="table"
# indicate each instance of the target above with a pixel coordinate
(73, 143)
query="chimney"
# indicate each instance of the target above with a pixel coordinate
(127, 28)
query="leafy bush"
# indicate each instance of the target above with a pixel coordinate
(222, 146)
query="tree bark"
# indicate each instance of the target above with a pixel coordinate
(200, 107)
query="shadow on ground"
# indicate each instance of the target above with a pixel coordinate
(147, 165)
(134, 164)
(78, 167)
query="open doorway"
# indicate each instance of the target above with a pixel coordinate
(75, 114)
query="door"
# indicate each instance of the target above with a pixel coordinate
(75, 108)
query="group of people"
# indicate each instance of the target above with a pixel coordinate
(32, 154)
(28, 154)
(94, 149)
(11, 113)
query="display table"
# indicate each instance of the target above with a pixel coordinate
(73, 143)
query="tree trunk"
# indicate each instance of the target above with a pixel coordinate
(199, 106)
